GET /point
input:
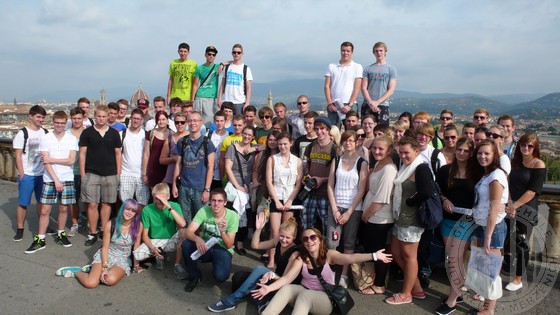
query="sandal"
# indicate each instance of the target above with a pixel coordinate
(378, 290)
(398, 299)
(137, 269)
(367, 291)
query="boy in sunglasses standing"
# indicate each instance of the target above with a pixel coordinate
(296, 120)
(205, 86)
(236, 83)
(181, 73)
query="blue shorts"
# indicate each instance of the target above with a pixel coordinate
(27, 186)
(498, 236)
(460, 230)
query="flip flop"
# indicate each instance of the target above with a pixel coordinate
(367, 291)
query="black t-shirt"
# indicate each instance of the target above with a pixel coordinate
(100, 155)
(461, 194)
(299, 146)
(523, 179)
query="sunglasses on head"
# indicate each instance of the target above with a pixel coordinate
(493, 135)
(312, 237)
(180, 122)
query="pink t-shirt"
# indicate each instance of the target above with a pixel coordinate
(311, 282)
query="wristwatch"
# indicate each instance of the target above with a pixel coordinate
(207, 189)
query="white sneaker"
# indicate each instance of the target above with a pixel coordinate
(514, 287)
(73, 231)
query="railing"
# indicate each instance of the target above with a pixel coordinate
(7, 160)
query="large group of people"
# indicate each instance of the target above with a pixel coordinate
(209, 170)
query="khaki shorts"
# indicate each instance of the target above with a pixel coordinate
(96, 189)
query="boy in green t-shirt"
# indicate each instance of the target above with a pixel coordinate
(164, 230)
(214, 221)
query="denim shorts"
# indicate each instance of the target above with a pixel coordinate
(498, 236)
(27, 186)
(408, 234)
(457, 229)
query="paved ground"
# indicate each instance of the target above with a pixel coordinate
(29, 285)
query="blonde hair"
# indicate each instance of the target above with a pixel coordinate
(291, 226)
(161, 188)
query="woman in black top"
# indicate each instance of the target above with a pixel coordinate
(526, 179)
(456, 181)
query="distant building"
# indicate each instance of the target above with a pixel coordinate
(140, 93)
(269, 103)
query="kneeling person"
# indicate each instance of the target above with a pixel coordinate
(164, 229)
(215, 221)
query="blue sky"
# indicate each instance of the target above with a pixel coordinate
(485, 47)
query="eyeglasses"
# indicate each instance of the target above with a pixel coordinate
(450, 137)
(176, 105)
(493, 135)
(236, 52)
(479, 117)
(312, 237)
(527, 145)
(211, 54)
(123, 109)
(445, 118)
(180, 122)
(361, 136)
(302, 103)
(264, 117)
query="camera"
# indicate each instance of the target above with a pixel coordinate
(310, 184)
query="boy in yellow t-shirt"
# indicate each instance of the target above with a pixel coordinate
(181, 73)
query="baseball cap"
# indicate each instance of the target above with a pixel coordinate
(323, 120)
(212, 48)
(142, 102)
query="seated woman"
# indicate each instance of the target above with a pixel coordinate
(286, 252)
(309, 296)
(112, 261)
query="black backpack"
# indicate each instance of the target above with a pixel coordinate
(244, 78)
(204, 147)
(434, 161)
(430, 212)
(26, 136)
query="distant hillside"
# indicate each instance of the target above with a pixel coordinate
(545, 107)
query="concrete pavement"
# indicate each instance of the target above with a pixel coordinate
(29, 285)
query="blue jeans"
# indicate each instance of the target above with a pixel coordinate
(189, 199)
(219, 256)
(245, 289)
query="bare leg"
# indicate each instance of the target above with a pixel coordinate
(74, 213)
(105, 213)
(93, 217)
(62, 216)
(114, 276)
(410, 268)
(21, 213)
(44, 219)
(275, 219)
(90, 280)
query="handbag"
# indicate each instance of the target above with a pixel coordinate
(340, 298)
(363, 274)
(483, 274)
(264, 206)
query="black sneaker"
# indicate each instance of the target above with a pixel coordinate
(37, 244)
(51, 231)
(91, 239)
(444, 309)
(62, 239)
(240, 251)
(424, 280)
(192, 284)
(19, 235)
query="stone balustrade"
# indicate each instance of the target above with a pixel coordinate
(7, 160)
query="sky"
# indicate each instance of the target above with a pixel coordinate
(488, 47)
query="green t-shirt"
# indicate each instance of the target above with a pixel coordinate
(208, 89)
(182, 74)
(160, 223)
(207, 222)
(262, 134)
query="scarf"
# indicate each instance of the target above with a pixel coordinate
(404, 173)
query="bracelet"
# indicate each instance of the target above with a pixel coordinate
(374, 255)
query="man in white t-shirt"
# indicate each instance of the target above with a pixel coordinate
(84, 104)
(131, 174)
(236, 83)
(29, 166)
(58, 150)
(217, 136)
(159, 105)
(424, 135)
(342, 85)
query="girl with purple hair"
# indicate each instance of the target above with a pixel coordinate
(113, 260)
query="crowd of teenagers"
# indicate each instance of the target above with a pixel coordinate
(334, 196)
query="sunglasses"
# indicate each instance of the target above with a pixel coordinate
(265, 117)
(180, 122)
(445, 118)
(527, 145)
(301, 103)
(493, 135)
(450, 137)
(312, 237)
(211, 54)
(361, 136)
(479, 117)
(236, 52)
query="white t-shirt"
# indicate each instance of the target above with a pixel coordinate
(87, 123)
(151, 124)
(505, 163)
(342, 79)
(235, 86)
(427, 157)
(59, 150)
(133, 150)
(32, 164)
(381, 191)
(217, 141)
(482, 201)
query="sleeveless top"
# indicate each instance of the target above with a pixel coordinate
(408, 215)
(284, 179)
(346, 186)
(311, 282)
(171, 167)
(283, 259)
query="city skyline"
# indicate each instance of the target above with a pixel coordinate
(483, 47)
